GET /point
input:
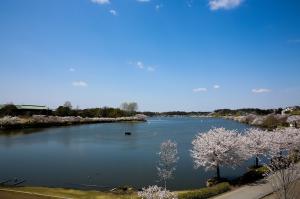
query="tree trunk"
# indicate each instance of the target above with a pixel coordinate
(218, 172)
(256, 162)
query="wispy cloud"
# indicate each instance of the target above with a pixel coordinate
(113, 12)
(79, 84)
(101, 1)
(197, 90)
(224, 4)
(72, 69)
(158, 7)
(217, 86)
(294, 41)
(150, 69)
(142, 66)
(261, 90)
(143, 1)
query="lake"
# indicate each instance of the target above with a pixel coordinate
(96, 156)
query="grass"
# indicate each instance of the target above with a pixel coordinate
(204, 193)
(70, 193)
(295, 112)
(45, 193)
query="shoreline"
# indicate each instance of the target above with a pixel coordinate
(41, 121)
(117, 193)
(270, 121)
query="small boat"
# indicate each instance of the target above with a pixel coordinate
(127, 133)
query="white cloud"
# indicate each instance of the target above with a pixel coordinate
(261, 90)
(143, 1)
(224, 4)
(101, 1)
(217, 86)
(113, 12)
(72, 69)
(80, 84)
(140, 65)
(197, 90)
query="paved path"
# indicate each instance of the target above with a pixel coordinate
(256, 190)
(253, 191)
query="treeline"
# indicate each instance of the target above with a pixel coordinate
(175, 113)
(125, 110)
(245, 111)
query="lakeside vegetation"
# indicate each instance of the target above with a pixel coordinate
(265, 118)
(117, 194)
(125, 110)
(13, 117)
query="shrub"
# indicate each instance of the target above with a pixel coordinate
(205, 192)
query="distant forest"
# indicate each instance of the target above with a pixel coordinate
(130, 109)
(125, 110)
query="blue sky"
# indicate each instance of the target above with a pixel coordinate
(164, 54)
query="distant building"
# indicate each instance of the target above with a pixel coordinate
(29, 109)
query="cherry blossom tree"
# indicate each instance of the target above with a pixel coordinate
(167, 160)
(155, 192)
(218, 147)
(284, 140)
(257, 142)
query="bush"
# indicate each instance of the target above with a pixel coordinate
(214, 181)
(205, 192)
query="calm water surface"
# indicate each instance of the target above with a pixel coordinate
(100, 154)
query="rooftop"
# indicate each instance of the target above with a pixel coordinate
(30, 107)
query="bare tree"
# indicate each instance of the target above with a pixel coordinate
(167, 160)
(283, 176)
(129, 106)
(68, 104)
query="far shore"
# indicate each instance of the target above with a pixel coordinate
(42, 121)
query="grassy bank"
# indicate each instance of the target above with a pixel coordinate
(43, 193)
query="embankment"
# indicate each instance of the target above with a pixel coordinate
(41, 121)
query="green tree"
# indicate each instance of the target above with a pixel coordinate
(63, 111)
(9, 109)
